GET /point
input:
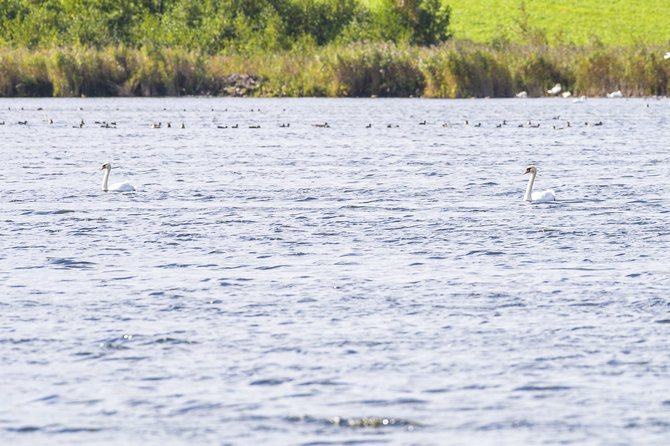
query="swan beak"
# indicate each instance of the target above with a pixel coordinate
(527, 170)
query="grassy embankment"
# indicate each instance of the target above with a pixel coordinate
(525, 56)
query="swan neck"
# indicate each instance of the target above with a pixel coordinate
(105, 179)
(529, 189)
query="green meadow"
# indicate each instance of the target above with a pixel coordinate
(610, 22)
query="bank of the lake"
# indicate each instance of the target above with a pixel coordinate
(455, 69)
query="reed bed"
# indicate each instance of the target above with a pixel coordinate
(454, 69)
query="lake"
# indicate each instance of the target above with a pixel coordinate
(334, 271)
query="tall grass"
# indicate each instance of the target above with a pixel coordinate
(381, 69)
(451, 70)
(24, 73)
(461, 70)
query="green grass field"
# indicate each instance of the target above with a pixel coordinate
(612, 22)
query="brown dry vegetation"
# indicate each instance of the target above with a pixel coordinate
(451, 70)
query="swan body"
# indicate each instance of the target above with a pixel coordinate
(555, 90)
(545, 195)
(116, 187)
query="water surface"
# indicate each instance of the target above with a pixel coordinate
(334, 285)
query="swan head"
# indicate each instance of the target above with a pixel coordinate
(107, 166)
(531, 169)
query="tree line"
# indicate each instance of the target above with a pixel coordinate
(215, 26)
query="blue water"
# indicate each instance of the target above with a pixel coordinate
(309, 285)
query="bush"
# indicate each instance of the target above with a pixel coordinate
(213, 26)
(418, 22)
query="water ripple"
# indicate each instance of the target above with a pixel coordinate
(389, 282)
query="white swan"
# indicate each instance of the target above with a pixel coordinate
(545, 195)
(118, 187)
(555, 90)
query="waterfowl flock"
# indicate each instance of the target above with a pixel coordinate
(254, 126)
(534, 123)
(556, 90)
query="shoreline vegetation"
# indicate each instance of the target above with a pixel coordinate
(295, 48)
(453, 69)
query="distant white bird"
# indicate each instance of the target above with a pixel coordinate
(117, 187)
(667, 55)
(566, 94)
(615, 94)
(522, 94)
(555, 90)
(545, 195)
(579, 99)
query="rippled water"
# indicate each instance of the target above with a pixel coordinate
(334, 285)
